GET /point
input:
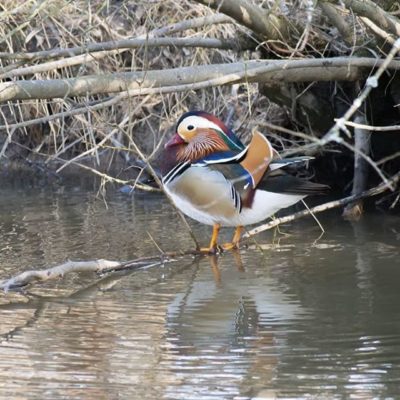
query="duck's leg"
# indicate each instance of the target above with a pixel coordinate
(235, 240)
(213, 247)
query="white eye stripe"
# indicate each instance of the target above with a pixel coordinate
(197, 122)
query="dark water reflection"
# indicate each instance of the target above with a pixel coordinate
(308, 317)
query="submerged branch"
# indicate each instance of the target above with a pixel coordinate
(99, 266)
(106, 266)
(58, 271)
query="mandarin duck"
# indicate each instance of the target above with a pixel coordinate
(212, 177)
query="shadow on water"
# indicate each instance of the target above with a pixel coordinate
(307, 317)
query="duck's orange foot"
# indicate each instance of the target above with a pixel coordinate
(210, 250)
(234, 245)
(230, 246)
(213, 248)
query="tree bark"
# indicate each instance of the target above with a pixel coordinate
(354, 210)
(308, 70)
(376, 14)
(257, 19)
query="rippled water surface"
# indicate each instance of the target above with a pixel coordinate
(309, 316)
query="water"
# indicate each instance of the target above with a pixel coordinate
(307, 317)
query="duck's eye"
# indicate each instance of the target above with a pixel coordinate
(190, 127)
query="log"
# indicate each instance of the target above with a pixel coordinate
(308, 70)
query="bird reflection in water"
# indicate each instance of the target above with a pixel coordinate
(221, 331)
(214, 261)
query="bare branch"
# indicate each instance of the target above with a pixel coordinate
(97, 266)
(56, 272)
(367, 8)
(191, 24)
(323, 207)
(372, 82)
(144, 40)
(252, 16)
(365, 127)
(326, 69)
(345, 30)
(100, 50)
(104, 266)
(378, 31)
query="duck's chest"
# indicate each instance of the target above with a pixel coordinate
(203, 194)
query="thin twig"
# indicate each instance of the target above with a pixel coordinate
(371, 83)
(98, 51)
(152, 39)
(378, 31)
(193, 23)
(371, 127)
(99, 266)
(323, 207)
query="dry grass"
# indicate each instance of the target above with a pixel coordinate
(29, 26)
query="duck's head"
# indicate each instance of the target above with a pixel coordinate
(199, 134)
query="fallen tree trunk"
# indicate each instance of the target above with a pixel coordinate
(324, 69)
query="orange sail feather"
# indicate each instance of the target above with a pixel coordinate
(258, 157)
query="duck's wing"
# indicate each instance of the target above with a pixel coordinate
(238, 182)
(279, 181)
(254, 159)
